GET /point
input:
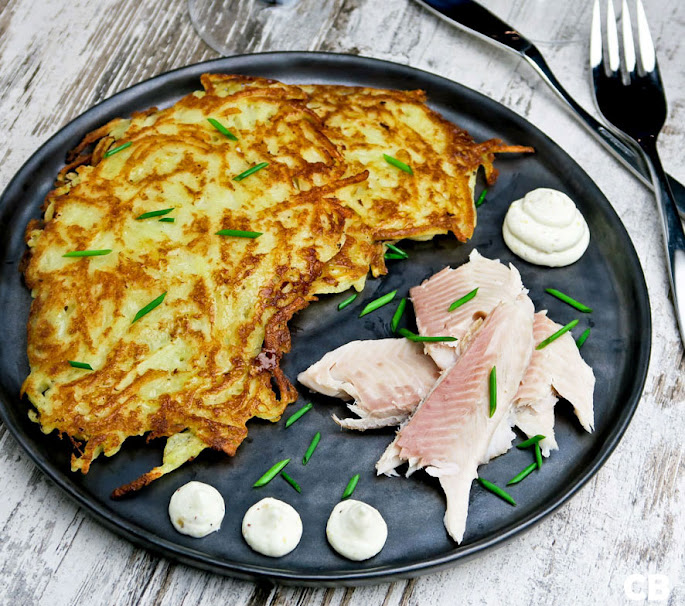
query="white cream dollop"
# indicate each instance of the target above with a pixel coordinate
(356, 530)
(272, 527)
(196, 509)
(546, 228)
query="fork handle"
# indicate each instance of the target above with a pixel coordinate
(621, 148)
(674, 238)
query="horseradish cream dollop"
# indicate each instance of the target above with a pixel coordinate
(272, 527)
(196, 509)
(546, 228)
(356, 530)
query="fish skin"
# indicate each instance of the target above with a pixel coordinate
(495, 282)
(556, 371)
(386, 378)
(451, 432)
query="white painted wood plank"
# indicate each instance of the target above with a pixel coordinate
(59, 57)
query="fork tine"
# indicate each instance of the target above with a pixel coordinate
(612, 37)
(644, 38)
(628, 44)
(595, 37)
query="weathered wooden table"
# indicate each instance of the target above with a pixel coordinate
(59, 57)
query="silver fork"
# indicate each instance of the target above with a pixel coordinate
(631, 98)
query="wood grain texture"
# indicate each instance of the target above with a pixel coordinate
(59, 57)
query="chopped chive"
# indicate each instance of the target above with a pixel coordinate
(154, 213)
(530, 441)
(465, 299)
(149, 307)
(523, 474)
(398, 164)
(222, 129)
(538, 455)
(493, 391)
(346, 302)
(271, 474)
(312, 447)
(582, 338)
(493, 488)
(290, 481)
(397, 316)
(111, 152)
(557, 334)
(481, 198)
(408, 334)
(376, 303)
(294, 417)
(237, 233)
(349, 489)
(566, 299)
(393, 257)
(88, 253)
(397, 251)
(167, 220)
(250, 171)
(83, 365)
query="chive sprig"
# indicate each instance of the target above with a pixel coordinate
(116, 150)
(351, 485)
(239, 233)
(570, 301)
(290, 481)
(346, 302)
(149, 307)
(376, 303)
(271, 474)
(557, 334)
(299, 414)
(494, 489)
(250, 171)
(465, 299)
(222, 129)
(83, 365)
(493, 390)
(87, 253)
(398, 164)
(582, 338)
(312, 447)
(481, 198)
(154, 213)
(523, 474)
(408, 334)
(530, 441)
(397, 316)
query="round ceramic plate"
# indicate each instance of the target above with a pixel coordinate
(608, 278)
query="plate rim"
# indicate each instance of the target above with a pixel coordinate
(373, 575)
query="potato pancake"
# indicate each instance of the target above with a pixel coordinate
(178, 243)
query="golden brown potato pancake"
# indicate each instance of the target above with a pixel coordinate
(200, 364)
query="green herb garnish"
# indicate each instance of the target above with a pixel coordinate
(294, 417)
(566, 299)
(349, 489)
(582, 338)
(376, 303)
(149, 307)
(250, 171)
(530, 441)
(393, 257)
(82, 365)
(493, 391)
(238, 233)
(290, 481)
(397, 316)
(408, 334)
(398, 164)
(222, 129)
(154, 213)
(557, 334)
(271, 474)
(167, 220)
(347, 301)
(538, 455)
(87, 253)
(465, 299)
(493, 488)
(397, 251)
(312, 447)
(523, 474)
(111, 152)
(481, 198)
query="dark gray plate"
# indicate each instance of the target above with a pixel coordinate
(608, 278)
